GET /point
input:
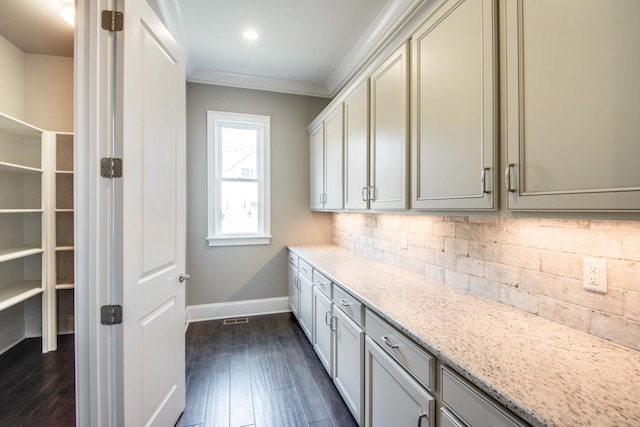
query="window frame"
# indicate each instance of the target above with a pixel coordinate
(214, 179)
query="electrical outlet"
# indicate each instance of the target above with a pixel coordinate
(403, 240)
(594, 275)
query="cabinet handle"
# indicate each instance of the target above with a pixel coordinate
(297, 282)
(422, 416)
(507, 177)
(483, 181)
(327, 318)
(332, 325)
(387, 342)
(364, 196)
(345, 302)
(372, 193)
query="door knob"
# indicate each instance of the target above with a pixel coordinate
(183, 277)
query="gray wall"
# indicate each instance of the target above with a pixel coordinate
(237, 273)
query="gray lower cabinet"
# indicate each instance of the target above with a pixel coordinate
(469, 405)
(306, 306)
(294, 287)
(392, 396)
(348, 339)
(571, 93)
(322, 324)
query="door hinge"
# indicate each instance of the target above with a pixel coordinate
(112, 20)
(111, 167)
(111, 314)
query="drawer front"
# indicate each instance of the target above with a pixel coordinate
(348, 304)
(415, 360)
(447, 419)
(293, 259)
(321, 282)
(305, 269)
(470, 405)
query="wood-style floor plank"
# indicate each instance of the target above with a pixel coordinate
(261, 374)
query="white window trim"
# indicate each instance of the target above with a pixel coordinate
(214, 237)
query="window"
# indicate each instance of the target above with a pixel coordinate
(238, 179)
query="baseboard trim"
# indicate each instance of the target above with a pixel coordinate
(254, 307)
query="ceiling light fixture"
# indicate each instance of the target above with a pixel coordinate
(250, 35)
(68, 12)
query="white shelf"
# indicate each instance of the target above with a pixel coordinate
(62, 172)
(14, 294)
(63, 210)
(64, 248)
(65, 284)
(19, 252)
(18, 211)
(13, 167)
(17, 128)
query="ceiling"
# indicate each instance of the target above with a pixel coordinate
(35, 26)
(310, 47)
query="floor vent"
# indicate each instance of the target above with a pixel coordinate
(236, 321)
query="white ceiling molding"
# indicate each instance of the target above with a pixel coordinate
(394, 14)
(381, 30)
(206, 76)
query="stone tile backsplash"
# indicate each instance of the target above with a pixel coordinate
(532, 264)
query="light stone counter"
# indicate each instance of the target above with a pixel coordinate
(546, 373)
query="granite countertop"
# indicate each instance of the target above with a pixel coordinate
(546, 373)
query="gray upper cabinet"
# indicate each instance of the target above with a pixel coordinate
(572, 97)
(326, 152)
(453, 107)
(316, 167)
(389, 124)
(334, 137)
(356, 148)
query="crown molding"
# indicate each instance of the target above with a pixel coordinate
(390, 19)
(247, 81)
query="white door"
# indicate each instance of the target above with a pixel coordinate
(151, 78)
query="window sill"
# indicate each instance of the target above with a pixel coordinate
(239, 241)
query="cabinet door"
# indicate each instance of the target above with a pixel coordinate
(322, 328)
(333, 147)
(389, 132)
(572, 95)
(316, 167)
(294, 291)
(356, 148)
(348, 362)
(392, 397)
(306, 306)
(453, 108)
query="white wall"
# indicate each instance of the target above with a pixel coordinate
(49, 92)
(225, 274)
(12, 80)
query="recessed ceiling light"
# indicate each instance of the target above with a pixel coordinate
(250, 35)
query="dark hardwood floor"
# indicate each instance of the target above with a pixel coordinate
(263, 373)
(38, 389)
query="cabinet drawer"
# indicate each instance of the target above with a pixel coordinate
(415, 360)
(468, 404)
(447, 419)
(305, 269)
(321, 282)
(348, 304)
(293, 259)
